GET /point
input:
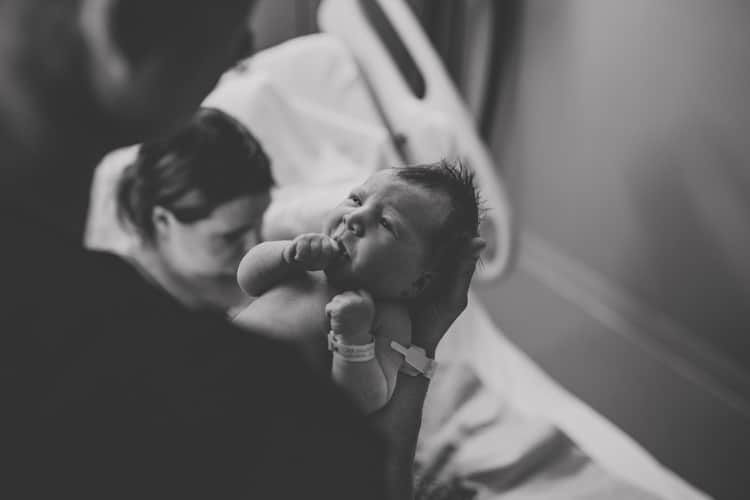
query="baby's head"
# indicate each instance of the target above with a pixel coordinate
(402, 229)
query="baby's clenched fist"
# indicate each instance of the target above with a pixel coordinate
(351, 315)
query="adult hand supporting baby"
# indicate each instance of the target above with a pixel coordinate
(399, 421)
(432, 316)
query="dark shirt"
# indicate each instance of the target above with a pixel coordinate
(110, 389)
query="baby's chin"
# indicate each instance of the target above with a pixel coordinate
(344, 279)
(340, 275)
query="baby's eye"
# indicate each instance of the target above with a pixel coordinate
(356, 199)
(384, 222)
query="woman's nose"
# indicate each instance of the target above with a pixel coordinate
(355, 223)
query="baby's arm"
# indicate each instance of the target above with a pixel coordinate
(369, 383)
(271, 262)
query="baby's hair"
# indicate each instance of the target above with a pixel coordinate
(211, 160)
(456, 181)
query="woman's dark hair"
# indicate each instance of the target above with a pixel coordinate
(211, 160)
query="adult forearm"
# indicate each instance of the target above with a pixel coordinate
(399, 422)
(400, 419)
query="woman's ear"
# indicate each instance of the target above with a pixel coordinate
(163, 221)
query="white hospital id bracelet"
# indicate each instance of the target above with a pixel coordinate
(415, 360)
(356, 353)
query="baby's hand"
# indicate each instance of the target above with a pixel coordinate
(351, 314)
(313, 251)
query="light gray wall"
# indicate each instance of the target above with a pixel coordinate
(626, 140)
(632, 143)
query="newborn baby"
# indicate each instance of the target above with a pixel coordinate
(349, 287)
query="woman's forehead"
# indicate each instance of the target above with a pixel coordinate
(242, 211)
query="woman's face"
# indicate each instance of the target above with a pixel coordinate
(212, 247)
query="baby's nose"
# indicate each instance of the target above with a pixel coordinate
(354, 224)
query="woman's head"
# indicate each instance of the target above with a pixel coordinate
(197, 196)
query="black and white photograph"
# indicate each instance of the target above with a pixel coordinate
(375, 249)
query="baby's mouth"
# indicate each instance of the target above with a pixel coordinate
(342, 253)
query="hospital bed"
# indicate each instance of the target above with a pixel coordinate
(330, 109)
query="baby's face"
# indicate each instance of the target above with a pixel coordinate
(385, 228)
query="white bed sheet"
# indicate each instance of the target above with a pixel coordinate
(524, 411)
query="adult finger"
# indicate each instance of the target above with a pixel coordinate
(456, 295)
(432, 317)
